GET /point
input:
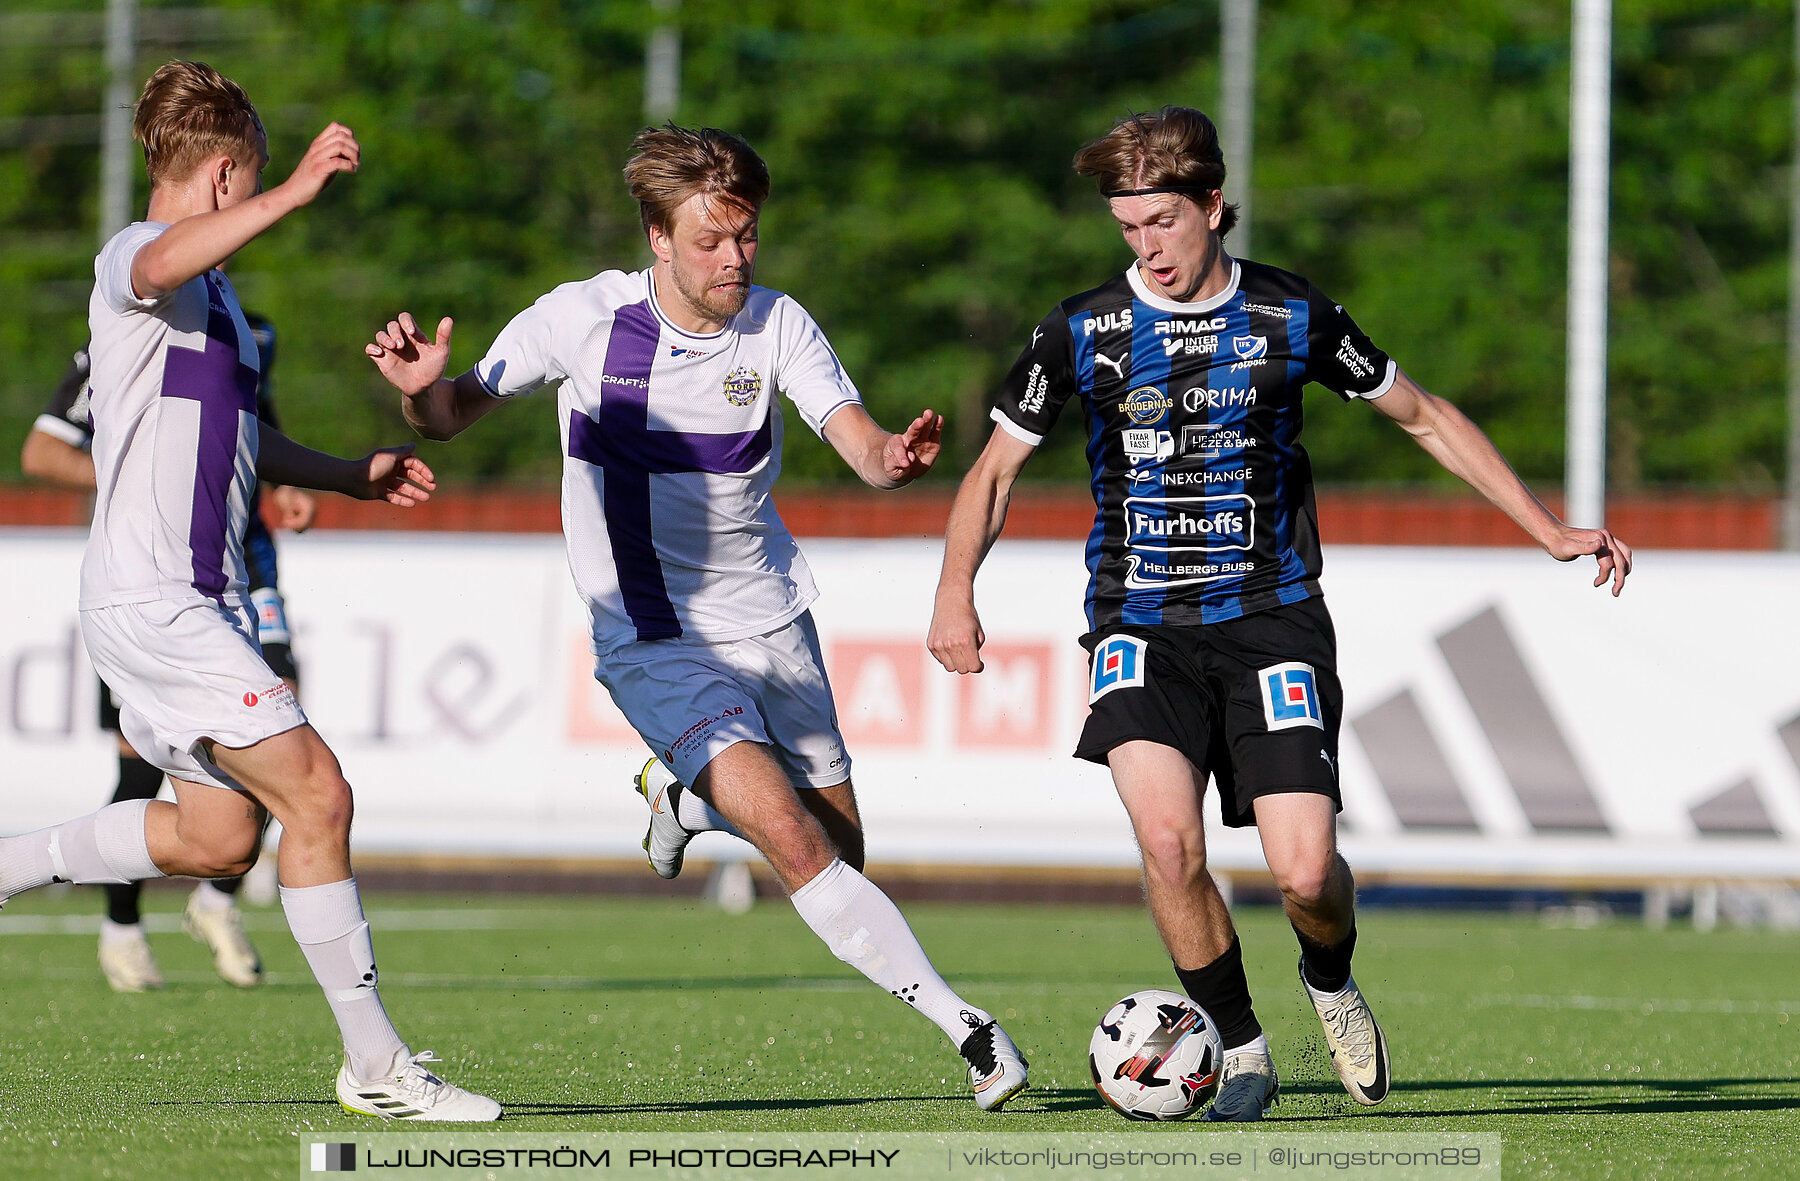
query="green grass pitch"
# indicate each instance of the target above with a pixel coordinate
(1608, 1052)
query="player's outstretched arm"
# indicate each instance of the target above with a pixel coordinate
(195, 245)
(435, 406)
(976, 518)
(1465, 450)
(393, 474)
(882, 460)
(57, 463)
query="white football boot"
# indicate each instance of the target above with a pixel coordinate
(222, 931)
(126, 960)
(665, 841)
(1359, 1050)
(414, 1094)
(1248, 1087)
(996, 1068)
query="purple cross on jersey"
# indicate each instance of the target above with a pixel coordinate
(225, 387)
(620, 441)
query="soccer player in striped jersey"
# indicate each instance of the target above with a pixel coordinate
(671, 430)
(1211, 651)
(165, 613)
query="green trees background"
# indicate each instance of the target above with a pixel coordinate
(1410, 159)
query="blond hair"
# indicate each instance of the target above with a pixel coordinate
(1176, 150)
(670, 164)
(188, 113)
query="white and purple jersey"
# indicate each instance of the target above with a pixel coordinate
(175, 435)
(671, 444)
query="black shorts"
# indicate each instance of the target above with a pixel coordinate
(280, 658)
(1253, 702)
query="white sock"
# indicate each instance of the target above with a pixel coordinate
(103, 848)
(696, 815)
(209, 897)
(1260, 1045)
(863, 927)
(328, 924)
(112, 933)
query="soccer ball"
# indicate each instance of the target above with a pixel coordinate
(1156, 1056)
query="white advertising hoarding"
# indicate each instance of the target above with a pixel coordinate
(1502, 717)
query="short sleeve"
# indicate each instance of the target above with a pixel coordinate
(1339, 356)
(65, 416)
(112, 268)
(524, 357)
(807, 370)
(1040, 381)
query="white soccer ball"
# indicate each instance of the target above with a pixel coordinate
(1156, 1056)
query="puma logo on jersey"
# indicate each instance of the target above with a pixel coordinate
(1118, 367)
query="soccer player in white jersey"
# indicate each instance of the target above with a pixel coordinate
(671, 430)
(164, 612)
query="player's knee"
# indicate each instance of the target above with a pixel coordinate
(1305, 881)
(325, 805)
(1172, 852)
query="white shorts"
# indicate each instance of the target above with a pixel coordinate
(184, 672)
(690, 701)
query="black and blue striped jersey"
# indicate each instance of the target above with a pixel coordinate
(1203, 495)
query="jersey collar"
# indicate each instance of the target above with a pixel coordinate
(1142, 290)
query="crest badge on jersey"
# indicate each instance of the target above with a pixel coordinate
(1119, 663)
(1290, 696)
(1146, 405)
(1249, 348)
(742, 385)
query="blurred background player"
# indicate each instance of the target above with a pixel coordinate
(1211, 652)
(58, 451)
(698, 595)
(165, 605)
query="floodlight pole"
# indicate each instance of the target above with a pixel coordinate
(1237, 114)
(1790, 509)
(115, 118)
(1590, 116)
(662, 63)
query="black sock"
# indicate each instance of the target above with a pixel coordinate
(138, 780)
(1221, 989)
(1326, 968)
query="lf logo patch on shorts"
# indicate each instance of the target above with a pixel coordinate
(1290, 696)
(1118, 664)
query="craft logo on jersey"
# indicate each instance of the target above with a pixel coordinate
(742, 385)
(1146, 405)
(1118, 664)
(1290, 696)
(1250, 348)
(1210, 523)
